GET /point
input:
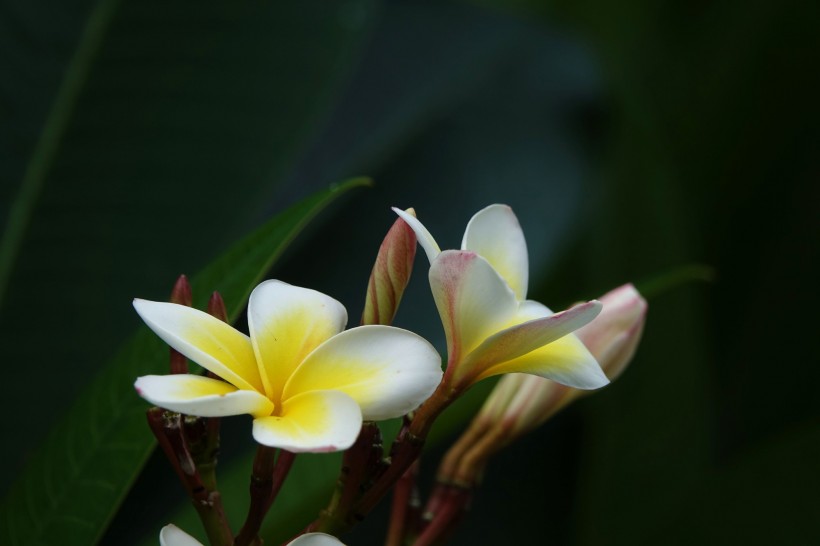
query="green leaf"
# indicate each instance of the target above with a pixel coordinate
(166, 141)
(76, 481)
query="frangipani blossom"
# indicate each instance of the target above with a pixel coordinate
(171, 535)
(307, 383)
(491, 328)
(520, 403)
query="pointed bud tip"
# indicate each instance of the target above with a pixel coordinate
(391, 272)
(614, 335)
(181, 293)
(216, 307)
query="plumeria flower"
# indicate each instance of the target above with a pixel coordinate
(307, 383)
(171, 535)
(520, 403)
(491, 328)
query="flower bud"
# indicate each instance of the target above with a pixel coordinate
(216, 307)
(614, 334)
(181, 292)
(391, 273)
(520, 403)
(181, 295)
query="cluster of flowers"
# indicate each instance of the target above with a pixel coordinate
(310, 384)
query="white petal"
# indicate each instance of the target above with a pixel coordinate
(206, 340)
(316, 539)
(171, 535)
(387, 371)
(286, 323)
(201, 396)
(495, 234)
(565, 361)
(316, 421)
(527, 336)
(473, 300)
(426, 240)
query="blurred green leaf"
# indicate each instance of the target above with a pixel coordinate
(76, 481)
(182, 119)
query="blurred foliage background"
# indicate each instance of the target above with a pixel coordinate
(139, 139)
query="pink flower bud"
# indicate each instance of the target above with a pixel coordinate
(614, 334)
(216, 307)
(181, 295)
(520, 403)
(391, 273)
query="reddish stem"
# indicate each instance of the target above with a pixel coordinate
(167, 427)
(405, 506)
(268, 475)
(280, 472)
(454, 504)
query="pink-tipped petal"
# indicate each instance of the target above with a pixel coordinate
(565, 361)
(495, 234)
(473, 301)
(523, 338)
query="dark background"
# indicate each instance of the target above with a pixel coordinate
(634, 140)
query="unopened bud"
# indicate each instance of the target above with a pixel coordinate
(216, 307)
(390, 274)
(520, 403)
(181, 295)
(614, 334)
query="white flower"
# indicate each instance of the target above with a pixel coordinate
(491, 327)
(307, 382)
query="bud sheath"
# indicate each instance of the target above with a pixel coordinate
(390, 274)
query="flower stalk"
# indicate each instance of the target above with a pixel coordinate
(168, 429)
(269, 473)
(405, 512)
